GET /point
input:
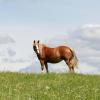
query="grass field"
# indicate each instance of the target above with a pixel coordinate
(17, 86)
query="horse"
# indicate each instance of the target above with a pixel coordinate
(47, 55)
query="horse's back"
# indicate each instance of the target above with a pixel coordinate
(58, 51)
(64, 49)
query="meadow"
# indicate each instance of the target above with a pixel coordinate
(21, 86)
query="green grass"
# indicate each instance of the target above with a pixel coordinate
(17, 86)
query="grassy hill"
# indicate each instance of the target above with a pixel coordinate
(17, 86)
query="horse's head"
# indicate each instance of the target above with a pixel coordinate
(36, 46)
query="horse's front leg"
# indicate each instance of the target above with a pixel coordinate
(42, 64)
(46, 66)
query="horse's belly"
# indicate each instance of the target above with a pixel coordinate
(54, 60)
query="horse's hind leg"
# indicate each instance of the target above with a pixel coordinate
(67, 62)
(71, 68)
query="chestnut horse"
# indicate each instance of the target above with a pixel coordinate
(46, 55)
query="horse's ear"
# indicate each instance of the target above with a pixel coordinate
(38, 41)
(34, 41)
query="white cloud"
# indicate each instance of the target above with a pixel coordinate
(13, 67)
(5, 39)
(12, 57)
(85, 68)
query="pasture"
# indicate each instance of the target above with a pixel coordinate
(20, 86)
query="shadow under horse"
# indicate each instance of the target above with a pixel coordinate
(47, 55)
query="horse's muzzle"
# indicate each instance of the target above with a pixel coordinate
(34, 48)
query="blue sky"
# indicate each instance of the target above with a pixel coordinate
(47, 15)
(73, 22)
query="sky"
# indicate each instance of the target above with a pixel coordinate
(46, 16)
(54, 22)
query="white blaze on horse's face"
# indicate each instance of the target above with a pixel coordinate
(37, 48)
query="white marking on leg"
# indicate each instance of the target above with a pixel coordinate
(43, 72)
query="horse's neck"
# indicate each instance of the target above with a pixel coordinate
(42, 49)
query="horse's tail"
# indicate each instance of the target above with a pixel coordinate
(74, 59)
